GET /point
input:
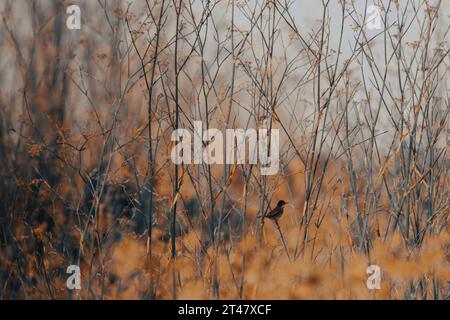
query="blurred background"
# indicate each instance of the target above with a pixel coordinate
(357, 89)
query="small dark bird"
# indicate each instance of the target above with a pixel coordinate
(276, 213)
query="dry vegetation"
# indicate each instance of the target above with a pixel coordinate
(86, 178)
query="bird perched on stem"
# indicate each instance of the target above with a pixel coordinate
(276, 213)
